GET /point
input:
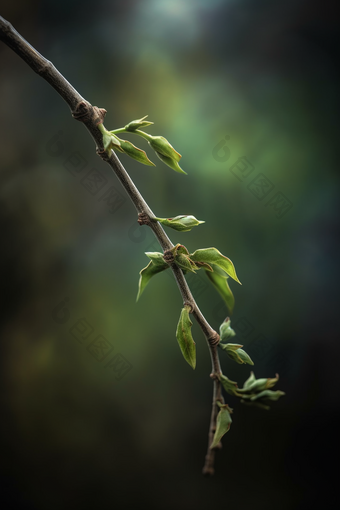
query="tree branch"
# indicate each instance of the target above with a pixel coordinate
(91, 116)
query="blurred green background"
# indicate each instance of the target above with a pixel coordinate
(262, 76)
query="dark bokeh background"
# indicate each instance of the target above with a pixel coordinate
(262, 73)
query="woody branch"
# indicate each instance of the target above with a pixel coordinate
(91, 117)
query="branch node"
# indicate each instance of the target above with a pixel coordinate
(143, 219)
(190, 305)
(85, 112)
(214, 340)
(98, 115)
(82, 111)
(168, 257)
(103, 154)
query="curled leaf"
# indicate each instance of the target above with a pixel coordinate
(260, 384)
(268, 394)
(223, 423)
(255, 391)
(249, 381)
(219, 279)
(156, 265)
(172, 163)
(229, 386)
(182, 223)
(213, 256)
(135, 153)
(184, 337)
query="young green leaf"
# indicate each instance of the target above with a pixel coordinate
(135, 153)
(229, 386)
(156, 257)
(268, 394)
(231, 347)
(184, 337)
(219, 279)
(223, 423)
(156, 265)
(182, 223)
(213, 256)
(172, 163)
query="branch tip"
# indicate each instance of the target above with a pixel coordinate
(103, 154)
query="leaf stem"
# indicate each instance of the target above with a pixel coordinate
(143, 134)
(120, 130)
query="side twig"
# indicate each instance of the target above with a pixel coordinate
(91, 116)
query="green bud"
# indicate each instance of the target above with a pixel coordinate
(253, 385)
(110, 141)
(182, 223)
(182, 259)
(162, 146)
(185, 263)
(226, 331)
(137, 124)
(235, 352)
